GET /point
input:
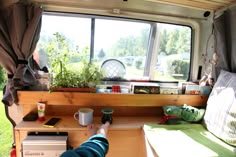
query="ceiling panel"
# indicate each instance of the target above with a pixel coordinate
(212, 5)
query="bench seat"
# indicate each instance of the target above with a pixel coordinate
(185, 140)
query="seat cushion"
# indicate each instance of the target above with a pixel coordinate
(220, 115)
(185, 140)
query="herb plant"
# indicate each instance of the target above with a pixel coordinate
(70, 69)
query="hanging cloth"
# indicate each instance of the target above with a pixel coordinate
(20, 26)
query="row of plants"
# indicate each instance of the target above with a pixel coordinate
(64, 70)
(67, 73)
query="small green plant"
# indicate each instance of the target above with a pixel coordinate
(3, 78)
(6, 132)
(70, 69)
(178, 67)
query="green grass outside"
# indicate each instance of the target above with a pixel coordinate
(6, 133)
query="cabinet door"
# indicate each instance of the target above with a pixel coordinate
(126, 143)
(76, 138)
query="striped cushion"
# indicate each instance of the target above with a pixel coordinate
(220, 115)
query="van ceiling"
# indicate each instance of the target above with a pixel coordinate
(175, 8)
(213, 5)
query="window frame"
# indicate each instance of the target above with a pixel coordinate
(151, 43)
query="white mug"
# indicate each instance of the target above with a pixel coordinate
(84, 116)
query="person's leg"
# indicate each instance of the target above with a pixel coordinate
(104, 129)
(92, 129)
(97, 144)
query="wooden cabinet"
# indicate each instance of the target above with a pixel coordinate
(125, 135)
(126, 143)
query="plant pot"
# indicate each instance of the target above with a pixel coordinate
(85, 90)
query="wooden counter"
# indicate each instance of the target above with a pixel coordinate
(125, 134)
(69, 123)
(131, 111)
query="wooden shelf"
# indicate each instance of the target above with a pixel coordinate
(68, 123)
(98, 99)
(132, 111)
(125, 130)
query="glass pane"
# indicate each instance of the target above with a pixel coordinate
(67, 37)
(61, 34)
(122, 40)
(173, 61)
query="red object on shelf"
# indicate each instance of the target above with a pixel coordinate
(13, 151)
(165, 118)
(41, 118)
(116, 89)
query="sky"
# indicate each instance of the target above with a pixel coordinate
(78, 29)
(107, 31)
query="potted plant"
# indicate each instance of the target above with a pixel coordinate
(70, 71)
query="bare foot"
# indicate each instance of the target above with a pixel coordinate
(104, 129)
(92, 130)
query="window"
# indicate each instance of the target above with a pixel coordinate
(123, 40)
(174, 53)
(75, 30)
(157, 51)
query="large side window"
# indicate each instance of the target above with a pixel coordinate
(147, 49)
(174, 53)
(72, 32)
(123, 40)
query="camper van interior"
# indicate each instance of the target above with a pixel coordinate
(162, 71)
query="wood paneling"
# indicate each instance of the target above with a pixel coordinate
(125, 134)
(95, 99)
(67, 103)
(65, 110)
(199, 4)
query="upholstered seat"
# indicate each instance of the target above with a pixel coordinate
(215, 137)
(185, 140)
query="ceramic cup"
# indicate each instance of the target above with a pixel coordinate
(84, 116)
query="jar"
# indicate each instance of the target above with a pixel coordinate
(107, 115)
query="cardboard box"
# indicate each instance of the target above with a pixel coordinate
(44, 145)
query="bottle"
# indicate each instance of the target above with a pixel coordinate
(13, 150)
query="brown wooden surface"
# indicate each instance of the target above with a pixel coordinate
(125, 134)
(132, 111)
(94, 99)
(199, 4)
(69, 123)
(122, 143)
(66, 110)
